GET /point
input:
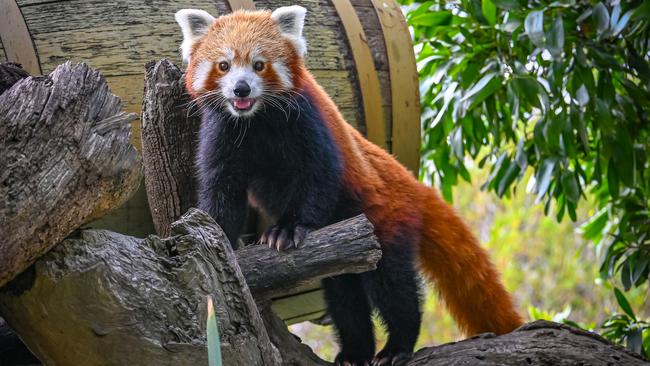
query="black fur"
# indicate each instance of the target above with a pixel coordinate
(289, 162)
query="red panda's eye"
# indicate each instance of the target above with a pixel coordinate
(258, 66)
(223, 66)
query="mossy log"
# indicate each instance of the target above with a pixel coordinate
(66, 159)
(102, 298)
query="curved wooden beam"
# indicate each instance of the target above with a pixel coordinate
(16, 39)
(403, 83)
(366, 73)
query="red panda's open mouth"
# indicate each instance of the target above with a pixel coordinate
(242, 104)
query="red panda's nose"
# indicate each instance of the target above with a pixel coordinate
(242, 89)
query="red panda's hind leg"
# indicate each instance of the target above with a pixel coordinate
(394, 291)
(348, 306)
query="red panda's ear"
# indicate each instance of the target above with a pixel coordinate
(194, 25)
(290, 20)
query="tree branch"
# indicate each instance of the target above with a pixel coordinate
(349, 246)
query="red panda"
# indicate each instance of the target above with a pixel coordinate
(272, 136)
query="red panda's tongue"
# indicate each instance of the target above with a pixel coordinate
(242, 103)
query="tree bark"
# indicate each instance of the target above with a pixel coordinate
(169, 140)
(66, 159)
(537, 343)
(99, 292)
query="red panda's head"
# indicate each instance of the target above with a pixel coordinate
(242, 60)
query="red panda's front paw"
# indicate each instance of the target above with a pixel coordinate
(284, 237)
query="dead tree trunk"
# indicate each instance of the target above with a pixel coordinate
(99, 293)
(66, 159)
(169, 140)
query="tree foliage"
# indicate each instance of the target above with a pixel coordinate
(555, 95)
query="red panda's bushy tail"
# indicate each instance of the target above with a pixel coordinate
(451, 257)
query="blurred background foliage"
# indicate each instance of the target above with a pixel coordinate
(544, 107)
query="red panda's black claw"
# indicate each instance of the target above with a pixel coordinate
(385, 358)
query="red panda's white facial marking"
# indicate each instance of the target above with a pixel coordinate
(243, 61)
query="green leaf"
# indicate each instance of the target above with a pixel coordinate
(508, 177)
(423, 8)
(600, 15)
(620, 25)
(570, 185)
(482, 89)
(593, 228)
(544, 174)
(214, 344)
(489, 11)
(555, 38)
(640, 267)
(534, 26)
(635, 341)
(622, 302)
(612, 179)
(434, 18)
(582, 96)
(625, 275)
(529, 88)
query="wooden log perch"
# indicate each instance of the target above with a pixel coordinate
(169, 141)
(349, 246)
(99, 293)
(537, 343)
(66, 159)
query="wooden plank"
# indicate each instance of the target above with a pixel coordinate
(129, 88)
(241, 4)
(404, 84)
(16, 40)
(85, 14)
(366, 73)
(300, 307)
(120, 50)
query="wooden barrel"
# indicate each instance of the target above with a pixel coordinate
(359, 50)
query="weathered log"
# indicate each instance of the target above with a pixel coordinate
(102, 298)
(537, 343)
(169, 140)
(10, 73)
(66, 159)
(101, 291)
(349, 246)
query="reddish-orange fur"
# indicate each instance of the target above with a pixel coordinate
(393, 200)
(448, 252)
